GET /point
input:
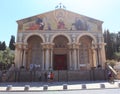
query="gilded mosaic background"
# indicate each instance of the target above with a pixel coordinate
(60, 19)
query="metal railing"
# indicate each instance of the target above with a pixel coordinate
(60, 75)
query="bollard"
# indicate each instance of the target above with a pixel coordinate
(9, 88)
(102, 85)
(45, 87)
(64, 86)
(26, 87)
(118, 85)
(83, 86)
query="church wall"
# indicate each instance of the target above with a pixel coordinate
(51, 34)
(72, 26)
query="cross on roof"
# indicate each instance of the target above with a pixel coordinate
(60, 5)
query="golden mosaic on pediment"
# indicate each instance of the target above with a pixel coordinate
(59, 19)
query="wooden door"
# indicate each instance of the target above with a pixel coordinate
(60, 62)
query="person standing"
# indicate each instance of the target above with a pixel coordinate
(51, 76)
(40, 77)
(110, 77)
(48, 76)
(45, 75)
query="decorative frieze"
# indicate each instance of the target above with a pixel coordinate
(73, 46)
(21, 46)
(47, 45)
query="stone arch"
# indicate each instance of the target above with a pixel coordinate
(86, 52)
(32, 34)
(34, 51)
(63, 34)
(87, 34)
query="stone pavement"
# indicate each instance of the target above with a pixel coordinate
(57, 86)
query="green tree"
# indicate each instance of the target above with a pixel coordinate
(0, 45)
(114, 41)
(117, 56)
(7, 56)
(11, 44)
(3, 46)
(118, 42)
(111, 62)
(1, 56)
(109, 48)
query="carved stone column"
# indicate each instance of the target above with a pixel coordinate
(43, 59)
(75, 49)
(97, 54)
(102, 54)
(78, 58)
(24, 54)
(18, 55)
(47, 59)
(94, 57)
(70, 57)
(51, 58)
(75, 59)
(51, 45)
(46, 55)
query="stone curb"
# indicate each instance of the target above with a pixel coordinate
(28, 88)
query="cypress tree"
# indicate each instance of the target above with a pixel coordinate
(118, 42)
(109, 47)
(0, 45)
(11, 44)
(3, 46)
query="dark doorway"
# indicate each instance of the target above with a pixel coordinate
(60, 62)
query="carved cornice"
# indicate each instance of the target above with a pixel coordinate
(73, 46)
(47, 45)
(21, 46)
(99, 45)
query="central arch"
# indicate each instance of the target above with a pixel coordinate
(60, 53)
(58, 34)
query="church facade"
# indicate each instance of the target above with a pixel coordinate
(60, 40)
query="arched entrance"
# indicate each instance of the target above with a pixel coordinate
(34, 53)
(60, 53)
(85, 52)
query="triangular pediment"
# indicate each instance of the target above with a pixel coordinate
(59, 19)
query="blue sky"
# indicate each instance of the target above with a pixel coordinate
(13, 10)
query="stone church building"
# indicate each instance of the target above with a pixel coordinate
(60, 40)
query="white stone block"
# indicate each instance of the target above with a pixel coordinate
(83, 86)
(27, 87)
(102, 85)
(64, 86)
(45, 87)
(9, 88)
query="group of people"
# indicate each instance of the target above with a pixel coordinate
(49, 76)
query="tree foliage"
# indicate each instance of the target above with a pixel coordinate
(117, 56)
(11, 44)
(2, 46)
(112, 47)
(6, 59)
(109, 47)
(111, 62)
(7, 56)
